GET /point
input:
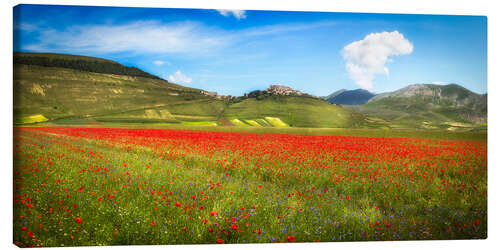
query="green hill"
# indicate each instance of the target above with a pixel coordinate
(428, 106)
(295, 111)
(67, 95)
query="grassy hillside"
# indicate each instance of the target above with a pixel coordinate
(428, 106)
(295, 112)
(63, 93)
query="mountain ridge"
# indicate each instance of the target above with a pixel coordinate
(350, 97)
(428, 103)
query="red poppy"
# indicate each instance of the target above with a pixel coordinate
(177, 204)
(220, 241)
(234, 226)
(24, 228)
(30, 234)
(78, 220)
(290, 238)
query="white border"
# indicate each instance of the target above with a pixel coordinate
(456, 7)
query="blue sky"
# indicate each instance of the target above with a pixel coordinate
(233, 52)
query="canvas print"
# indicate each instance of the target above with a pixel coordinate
(161, 126)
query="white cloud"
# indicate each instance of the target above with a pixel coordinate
(153, 37)
(178, 77)
(238, 14)
(137, 37)
(367, 57)
(158, 62)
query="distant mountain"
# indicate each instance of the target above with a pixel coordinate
(332, 95)
(350, 97)
(419, 104)
(449, 95)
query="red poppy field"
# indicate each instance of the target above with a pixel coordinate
(110, 186)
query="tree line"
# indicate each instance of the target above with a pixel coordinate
(83, 65)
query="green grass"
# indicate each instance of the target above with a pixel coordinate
(253, 123)
(33, 119)
(238, 122)
(263, 123)
(276, 122)
(199, 123)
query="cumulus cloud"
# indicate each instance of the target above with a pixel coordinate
(158, 62)
(238, 14)
(367, 58)
(178, 77)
